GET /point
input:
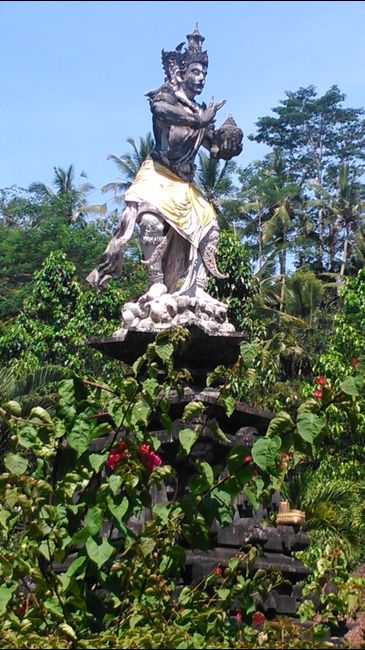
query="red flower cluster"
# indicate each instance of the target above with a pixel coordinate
(354, 362)
(317, 393)
(321, 380)
(115, 456)
(149, 458)
(258, 618)
(218, 570)
(247, 459)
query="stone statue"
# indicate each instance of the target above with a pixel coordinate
(178, 226)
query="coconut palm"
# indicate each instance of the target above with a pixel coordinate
(344, 215)
(71, 196)
(215, 179)
(128, 165)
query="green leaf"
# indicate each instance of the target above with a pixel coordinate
(15, 463)
(75, 565)
(162, 512)
(68, 631)
(164, 351)
(53, 605)
(41, 414)
(99, 553)
(215, 429)
(187, 438)
(280, 425)
(192, 409)
(27, 435)
(80, 435)
(134, 620)
(249, 352)
(140, 412)
(147, 545)
(223, 593)
(352, 385)
(115, 482)
(47, 548)
(94, 519)
(5, 595)
(118, 510)
(264, 451)
(229, 403)
(309, 425)
(97, 460)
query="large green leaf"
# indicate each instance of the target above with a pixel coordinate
(99, 553)
(118, 507)
(309, 425)
(164, 351)
(187, 438)
(192, 409)
(94, 519)
(352, 385)
(264, 451)
(5, 595)
(280, 425)
(15, 463)
(80, 435)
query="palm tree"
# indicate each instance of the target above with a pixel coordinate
(215, 179)
(73, 198)
(128, 165)
(334, 508)
(29, 390)
(344, 214)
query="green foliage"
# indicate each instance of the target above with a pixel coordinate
(239, 286)
(57, 318)
(73, 564)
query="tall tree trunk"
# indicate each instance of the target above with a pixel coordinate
(320, 236)
(282, 262)
(345, 251)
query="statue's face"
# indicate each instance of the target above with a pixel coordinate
(193, 80)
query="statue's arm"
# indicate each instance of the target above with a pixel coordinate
(176, 115)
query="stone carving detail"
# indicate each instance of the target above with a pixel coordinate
(178, 225)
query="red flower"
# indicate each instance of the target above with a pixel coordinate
(218, 570)
(238, 617)
(317, 393)
(149, 458)
(354, 362)
(113, 460)
(321, 380)
(258, 618)
(115, 456)
(247, 459)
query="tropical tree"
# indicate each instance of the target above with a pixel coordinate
(268, 203)
(344, 214)
(334, 507)
(315, 135)
(71, 197)
(128, 165)
(215, 179)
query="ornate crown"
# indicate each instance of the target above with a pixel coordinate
(178, 60)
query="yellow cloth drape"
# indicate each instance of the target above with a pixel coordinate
(182, 204)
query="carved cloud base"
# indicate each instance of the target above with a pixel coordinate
(157, 310)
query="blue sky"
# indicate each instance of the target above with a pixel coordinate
(73, 74)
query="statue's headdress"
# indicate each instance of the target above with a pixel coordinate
(179, 59)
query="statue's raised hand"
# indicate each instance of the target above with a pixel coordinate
(208, 114)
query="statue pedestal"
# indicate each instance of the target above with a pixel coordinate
(200, 353)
